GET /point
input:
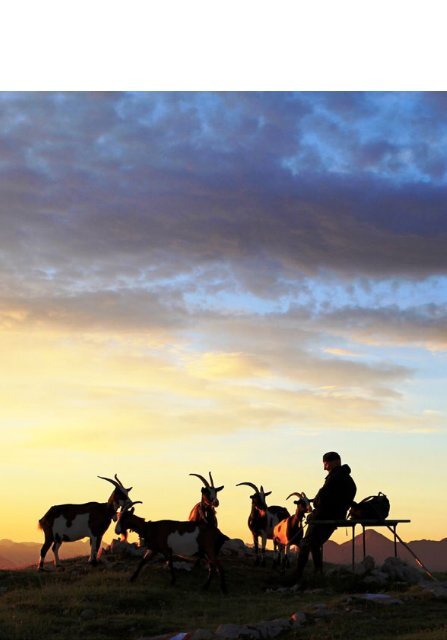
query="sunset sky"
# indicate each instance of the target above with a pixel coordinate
(234, 282)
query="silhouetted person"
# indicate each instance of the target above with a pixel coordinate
(331, 503)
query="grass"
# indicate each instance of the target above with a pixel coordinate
(100, 603)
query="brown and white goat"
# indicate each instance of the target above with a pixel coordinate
(205, 510)
(70, 522)
(262, 519)
(173, 538)
(290, 530)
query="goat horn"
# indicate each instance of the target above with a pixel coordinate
(110, 480)
(119, 481)
(130, 505)
(205, 482)
(249, 484)
(295, 493)
(211, 478)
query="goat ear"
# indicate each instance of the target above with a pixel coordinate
(219, 488)
(129, 489)
(268, 493)
(203, 489)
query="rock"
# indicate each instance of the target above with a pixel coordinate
(297, 618)
(202, 634)
(235, 547)
(182, 566)
(181, 635)
(436, 591)
(87, 614)
(376, 578)
(272, 628)
(126, 548)
(228, 630)
(260, 631)
(377, 598)
(400, 571)
(232, 631)
(281, 589)
(321, 610)
(365, 566)
(251, 631)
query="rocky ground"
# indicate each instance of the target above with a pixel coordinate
(101, 604)
(374, 585)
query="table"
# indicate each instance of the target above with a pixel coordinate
(390, 524)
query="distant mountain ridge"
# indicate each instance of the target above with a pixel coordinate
(433, 553)
(15, 555)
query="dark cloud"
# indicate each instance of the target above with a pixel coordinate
(424, 325)
(270, 186)
(113, 311)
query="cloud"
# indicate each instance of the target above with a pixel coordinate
(97, 188)
(337, 351)
(182, 259)
(225, 365)
(125, 310)
(421, 326)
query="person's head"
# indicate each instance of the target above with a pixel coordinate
(331, 459)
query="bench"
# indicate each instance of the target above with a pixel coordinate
(390, 524)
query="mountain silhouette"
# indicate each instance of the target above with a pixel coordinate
(14, 555)
(432, 553)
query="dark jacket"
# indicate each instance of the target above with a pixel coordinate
(336, 495)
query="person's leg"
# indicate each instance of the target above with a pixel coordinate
(305, 547)
(303, 557)
(317, 556)
(320, 536)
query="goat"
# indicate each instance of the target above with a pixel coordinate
(262, 519)
(205, 510)
(70, 522)
(290, 530)
(170, 538)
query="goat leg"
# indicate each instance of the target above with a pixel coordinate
(220, 571)
(256, 548)
(147, 556)
(211, 572)
(171, 568)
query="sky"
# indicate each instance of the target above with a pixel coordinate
(234, 282)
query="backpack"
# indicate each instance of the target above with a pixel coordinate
(371, 508)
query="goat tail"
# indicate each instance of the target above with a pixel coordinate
(43, 522)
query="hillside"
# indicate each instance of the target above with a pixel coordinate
(101, 604)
